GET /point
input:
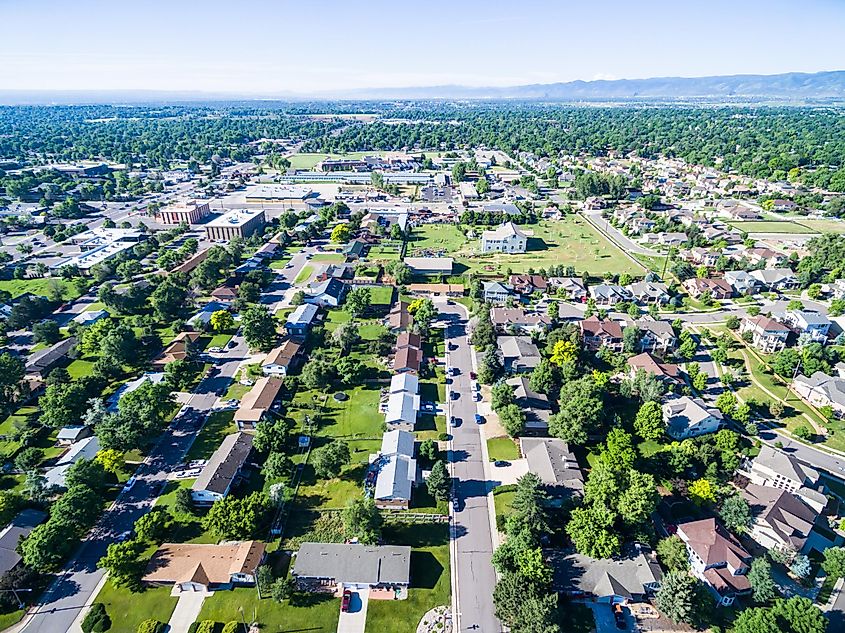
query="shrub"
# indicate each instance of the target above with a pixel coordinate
(96, 620)
(233, 627)
(151, 626)
(206, 626)
(443, 437)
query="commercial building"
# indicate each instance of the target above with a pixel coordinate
(188, 212)
(235, 223)
(278, 193)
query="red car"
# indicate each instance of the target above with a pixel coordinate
(344, 603)
(473, 375)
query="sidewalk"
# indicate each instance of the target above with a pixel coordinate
(187, 611)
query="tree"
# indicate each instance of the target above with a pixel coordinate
(283, 589)
(401, 273)
(564, 352)
(491, 367)
(97, 620)
(649, 421)
(122, 560)
(11, 373)
(638, 499)
(358, 301)
(702, 491)
(528, 514)
(184, 503)
(259, 327)
(735, 514)
(834, 562)
(800, 615)
(362, 520)
(63, 404)
(501, 395)
(340, 234)
(756, 620)
(423, 312)
(438, 482)
(429, 450)
(675, 597)
(726, 403)
(46, 331)
(673, 553)
(276, 465)
(168, 299)
(153, 526)
(345, 336)
(272, 435)
(760, 577)
(330, 458)
(732, 322)
(544, 378)
(222, 321)
(316, 374)
(236, 518)
(590, 529)
(581, 409)
(512, 418)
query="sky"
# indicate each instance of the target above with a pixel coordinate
(319, 46)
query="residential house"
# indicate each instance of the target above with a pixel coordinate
(813, 324)
(517, 319)
(519, 353)
(668, 372)
(182, 347)
(672, 239)
(329, 293)
(407, 382)
(608, 295)
(258, 402)
(203, 317)
(396, 471)
(225, 294)
(430, 265)
(528, 284)
(71, 434)
(742, 282)
(401, 411)
(85, 448)
(436, 290)
(776, 469)
(783, 520)
(573, 287)
(649, 292)
(18, 528)
(90, 317)
(506, 238)
(656, 336)
(776, 279)
(383, 569)
(355, 249)
(408, 359)
(282, 359)
(780, 204)
(494, 292)
(690, 417)
(822, 390)
(204, 566)
(767, 334)
(718, 288)
(534, 405)
(152, 377)
(554, 463)
(716, 558)
(399, 318)
(626, 579)
(342, 272)
(766, 256)
(703, 256)
(40, 363)
(598, 333)
(299, 321)
(222, 469)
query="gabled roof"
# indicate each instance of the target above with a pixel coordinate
(225, 464)
(714, 544)
(408, 358)
(398, 442)
(408, 339)
(203, 563)
(624, 576)
(521, 347)
(551, 460)
(303, 315)
(789, 517)
(653, 366)
(284, 354)
(354, 563)
(405, 382)
(258, 400)
(593, 326)
(518, 316)
(766, 324)
(332, 287)
(786, 465)
(503, 232)
(19, 527)
(396, 477)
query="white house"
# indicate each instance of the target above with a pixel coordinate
(689, 417)
(506, 238)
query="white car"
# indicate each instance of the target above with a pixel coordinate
(215, 349)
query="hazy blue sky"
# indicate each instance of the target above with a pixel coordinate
(318, 45)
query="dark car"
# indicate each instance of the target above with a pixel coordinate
(456, 421)
(501, 463)
(454, 395)
(479, 419)
(347, 598)
(473, 375)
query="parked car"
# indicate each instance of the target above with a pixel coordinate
(455, 421)
(479, 419)
(130, 483)
(347, 598)
(473, 375)
(215, 349)
(454, 395)
(501, 463)
(476, 396)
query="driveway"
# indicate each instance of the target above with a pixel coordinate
(354, 620)
(509, 474)
(187, 611)
(605, 622)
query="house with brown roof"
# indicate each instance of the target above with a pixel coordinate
(598, 333)
(181, 348)
(222, 469)
(283, 358)
(716, 558)
(399, 318)
(528, 284)
(408, 359)
(225, 293)
(258, 402)
(668, 372)
(204, 566)
(718, 288)
(408, 339)
(519, 320)
(767, 334)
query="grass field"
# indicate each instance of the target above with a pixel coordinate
(387, 250)
(218, 426)
(17, 287)
(830, 225)
(503, 499)
(570, 242)
(502, 448)
(772, 226)
(328, 258)
(430, 579)
(304, 274)
(127, 610)
(381, 295)
(317, 613)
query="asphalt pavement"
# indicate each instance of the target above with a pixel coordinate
(474, 577)
(75, 587)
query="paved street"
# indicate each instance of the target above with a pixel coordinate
(475, 578)
(75, 587)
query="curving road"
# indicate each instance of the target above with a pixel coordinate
(472, 543)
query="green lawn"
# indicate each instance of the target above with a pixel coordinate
(387, 250)
(432, 238)
(16, 421)
(304, 274)
(328, 258)
(356, 417)
(218, 426)
(316, 613)
(9, 619)
(570, 241)
(219, 340)
(381, 295)
(502, 448)
(306, 161)
(127, 610)
(79, 368)
(430, 578)
(17, 287)
(503, 500)
(773, 226)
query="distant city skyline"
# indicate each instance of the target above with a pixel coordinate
(328, 45)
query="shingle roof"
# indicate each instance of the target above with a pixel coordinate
(713, 543)
(203, 562)
(225, 464)
(354, 563)
(789, 517)
(551, 459)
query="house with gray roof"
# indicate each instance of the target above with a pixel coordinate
(776, 278)
(519, 353)
(649, 292)
(19, 528)
(324, 566)
(534, 405)
(775, 469)
(554, 463)
(300, 320)
(41, 362)
(607, 295)
(396, 470)
(222, 469)
(629, 578)
(572, 287)
(83, 449)
(813, 324)
(743, 282)
(655, 335)
(329, 293)
(822, 390)
(690, 417)
(494, 292)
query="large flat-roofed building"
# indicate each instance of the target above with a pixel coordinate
(277, 193)
(189, 212)
(238, 222)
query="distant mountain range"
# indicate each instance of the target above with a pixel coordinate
(786, 86)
